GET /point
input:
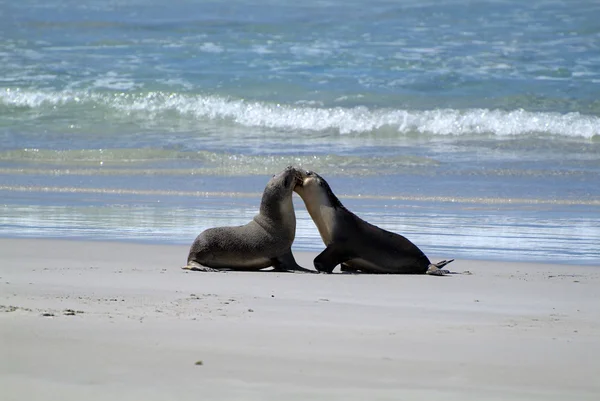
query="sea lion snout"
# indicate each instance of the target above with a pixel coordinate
(299, 175)
(286, 179)
(310, 177)
(293, 176)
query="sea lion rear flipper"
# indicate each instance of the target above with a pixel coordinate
(287, 263)
(435, 269)
(332, 256)
(443, 263)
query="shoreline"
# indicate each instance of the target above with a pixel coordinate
(546, 233)
(128, 323)
(297, 250)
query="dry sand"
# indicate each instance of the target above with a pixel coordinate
(139, 324)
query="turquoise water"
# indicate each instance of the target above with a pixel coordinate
(473, 128)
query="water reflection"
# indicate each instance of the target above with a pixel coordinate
(456, 232)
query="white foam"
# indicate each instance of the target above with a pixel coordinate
(112, 81)
(210, 47)
(445, 122)
(361, 119)
(32, 99)
(173, 82)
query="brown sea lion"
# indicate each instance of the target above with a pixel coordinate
(263, 242)
(355, 244)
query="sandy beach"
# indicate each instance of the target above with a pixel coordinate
(121, 321)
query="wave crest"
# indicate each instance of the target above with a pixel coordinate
(157, 106)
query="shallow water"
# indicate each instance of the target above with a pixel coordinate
(471, 128)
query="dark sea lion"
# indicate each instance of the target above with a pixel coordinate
(355, 244)
(263, 242)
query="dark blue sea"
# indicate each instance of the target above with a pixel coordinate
(470, 127)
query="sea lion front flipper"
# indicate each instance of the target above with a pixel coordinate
(287, 263)
(332, 256)
(195, 266)
(344, 268)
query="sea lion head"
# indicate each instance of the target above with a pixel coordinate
(282, 184)
(277, 196)
(315, 189)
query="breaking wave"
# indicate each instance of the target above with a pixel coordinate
(158, 106)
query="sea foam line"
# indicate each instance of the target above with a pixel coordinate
(444, 122)
(207, 194)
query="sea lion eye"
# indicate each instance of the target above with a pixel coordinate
(310, 173)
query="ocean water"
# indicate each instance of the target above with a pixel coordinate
(470, 127)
